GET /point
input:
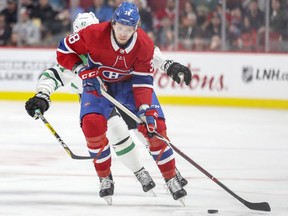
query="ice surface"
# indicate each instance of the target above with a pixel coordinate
(246, 149)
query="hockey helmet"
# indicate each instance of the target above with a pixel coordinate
(83, 20)
(127, 14)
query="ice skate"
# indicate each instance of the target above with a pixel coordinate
(107, 189)
(183, 182)
(176, 189)
(146, 181)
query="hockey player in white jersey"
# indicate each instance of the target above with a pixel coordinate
(118, 132)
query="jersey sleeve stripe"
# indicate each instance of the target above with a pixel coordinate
(64, 47)
(141, 73)
(56, 75)
(142, 86)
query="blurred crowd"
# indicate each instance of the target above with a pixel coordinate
(202, 24)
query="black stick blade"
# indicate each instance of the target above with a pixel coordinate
(263, 206)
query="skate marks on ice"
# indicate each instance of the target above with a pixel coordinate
(245, 149)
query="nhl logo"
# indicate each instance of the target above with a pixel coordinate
(247, 74)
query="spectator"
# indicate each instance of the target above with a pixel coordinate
(214, 27)
(5, 31)
(102, 11)
(145, 14)
(219, 11)
(10, 12)
(232, 4)
(25, 33)
(44, 15)
(189, 30)
(75, 9)
(58, 5)
(202, 14)
(114, 3)
(278, 18)
(255, 15)
(165, 34)
(284, 42)
(152, 36)
(235, 27)
(278, 25)
(28, 5)
(215, 43)
(65, 26)
(210, 5)
(199, 44)
(248, 38)
(2, 5)
(188, 8)
(166, 13)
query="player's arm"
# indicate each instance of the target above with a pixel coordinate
(49, 81)
(53, 78)
(143, 90)
(143, 82)
(69, 50)
(174, 69)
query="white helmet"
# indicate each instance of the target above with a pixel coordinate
(83, 20)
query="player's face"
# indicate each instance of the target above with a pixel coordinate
(123, 32)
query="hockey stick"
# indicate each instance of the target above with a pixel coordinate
(48, 125)
(262, 206)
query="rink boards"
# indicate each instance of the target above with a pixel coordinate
(221, 79)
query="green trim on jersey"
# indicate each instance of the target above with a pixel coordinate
(74, 86)
(84, 59)
(55, 80)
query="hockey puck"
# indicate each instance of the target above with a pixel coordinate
(212, 211)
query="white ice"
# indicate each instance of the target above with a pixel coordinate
(246, 149)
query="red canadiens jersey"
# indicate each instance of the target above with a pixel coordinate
(113, 62)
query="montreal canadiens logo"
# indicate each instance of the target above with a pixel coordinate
(110, 74)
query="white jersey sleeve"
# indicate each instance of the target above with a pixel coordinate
(53, 78)
(159, 59)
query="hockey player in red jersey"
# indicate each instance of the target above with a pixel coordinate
(120, 56)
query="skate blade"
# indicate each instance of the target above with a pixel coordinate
(108, 199)
(182, 201)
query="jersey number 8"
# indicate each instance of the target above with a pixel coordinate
(73, 38)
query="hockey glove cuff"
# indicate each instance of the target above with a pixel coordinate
(93, 86)
(91, 81)
(149, 117)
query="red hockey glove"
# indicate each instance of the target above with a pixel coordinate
(91, 81)
(149, 116)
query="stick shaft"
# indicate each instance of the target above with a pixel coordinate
(56, 135)
(264, 206)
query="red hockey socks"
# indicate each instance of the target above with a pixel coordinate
(94, 127)
(162, 153)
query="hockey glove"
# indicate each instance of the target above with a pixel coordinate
(149, 116)
(91, 81)
(40, 101)
(175, 70)
(93, 86)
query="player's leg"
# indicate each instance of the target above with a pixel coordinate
(126, 150)
(132, 126)
(143, 140)
(160, 151)
(94, 114)
(165, 160)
